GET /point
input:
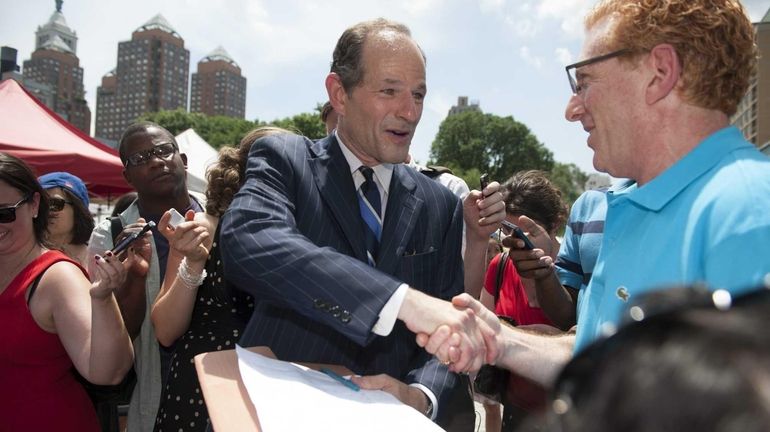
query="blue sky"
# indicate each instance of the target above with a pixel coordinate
(508, 55)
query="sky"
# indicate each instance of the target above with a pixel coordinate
(507, 55)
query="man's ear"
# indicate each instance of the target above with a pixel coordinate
(127, 176)
(184, 159)
(664, 62)
(337, 93)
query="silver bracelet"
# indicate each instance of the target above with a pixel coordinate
(187, 278)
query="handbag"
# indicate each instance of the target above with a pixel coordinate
(491, 382)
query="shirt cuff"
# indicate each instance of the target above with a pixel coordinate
(430, 396)
(389, 312)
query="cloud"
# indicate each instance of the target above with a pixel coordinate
(416, 8)
(528, 58)
(491, 6)
(569, 12)
(563, 56)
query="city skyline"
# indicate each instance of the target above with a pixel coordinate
(507, 55)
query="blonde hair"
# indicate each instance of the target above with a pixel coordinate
(226, 177)
(714, 40)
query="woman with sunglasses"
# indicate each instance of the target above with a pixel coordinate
(69, 220)
(51, 316)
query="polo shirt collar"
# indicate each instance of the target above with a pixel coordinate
(671, 182)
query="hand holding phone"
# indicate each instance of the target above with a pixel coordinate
(484, 182)
(519, 234)
(126, 242)
(176, 218)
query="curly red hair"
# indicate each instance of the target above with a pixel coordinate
(714, 40)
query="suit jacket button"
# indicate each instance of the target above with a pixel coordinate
(345, 317)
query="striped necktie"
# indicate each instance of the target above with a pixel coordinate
(369, 206)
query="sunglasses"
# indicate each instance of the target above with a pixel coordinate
(56, 204)
(163, 151)
(8, 214)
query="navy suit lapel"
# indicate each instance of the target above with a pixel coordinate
(400, 219)
(332, 176)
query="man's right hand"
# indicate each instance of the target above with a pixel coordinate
(443, 342)
(463, 332)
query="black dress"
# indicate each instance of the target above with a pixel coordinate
(219, 316)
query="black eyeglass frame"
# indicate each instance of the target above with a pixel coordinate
(573, 81)
(57, 204)
(8, 213)
(144, 156)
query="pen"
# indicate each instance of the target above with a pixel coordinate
(123, 244)
(337, 377)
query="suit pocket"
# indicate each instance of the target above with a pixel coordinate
(420, 269)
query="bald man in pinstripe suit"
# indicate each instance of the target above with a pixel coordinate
(294, 236)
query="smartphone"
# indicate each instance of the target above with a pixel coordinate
(126, 242)
(519, 234)
(176, 218)
(484, 182)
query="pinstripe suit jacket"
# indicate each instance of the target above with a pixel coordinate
(293, 238)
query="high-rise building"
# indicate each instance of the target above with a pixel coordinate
(463, 105)
(151, 75)
(218, 87)
(753, 115)
(54, 64)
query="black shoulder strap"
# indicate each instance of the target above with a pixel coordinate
(499, 275)
(116, 227)
(434, 171)
(34, 285)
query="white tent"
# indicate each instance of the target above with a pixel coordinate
(199, 156)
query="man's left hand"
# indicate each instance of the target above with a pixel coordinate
(409, 395)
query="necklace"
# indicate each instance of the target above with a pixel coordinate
(12, 274)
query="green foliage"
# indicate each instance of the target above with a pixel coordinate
(474, 141)
(471, 143)
(221, 130)
(569, 179)
(215, 130)
(307, 124)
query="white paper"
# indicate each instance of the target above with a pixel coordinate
(291, 397)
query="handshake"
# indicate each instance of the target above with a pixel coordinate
(462, 334)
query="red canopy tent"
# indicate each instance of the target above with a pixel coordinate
(31, 131)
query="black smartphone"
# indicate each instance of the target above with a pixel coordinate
(123, 244)
(484, 182)
(519, 234)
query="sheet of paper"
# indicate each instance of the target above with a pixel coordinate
(290, 397)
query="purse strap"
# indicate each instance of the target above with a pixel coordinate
(499, 275)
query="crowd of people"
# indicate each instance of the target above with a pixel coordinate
(344, 251)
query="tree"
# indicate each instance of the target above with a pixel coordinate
(569, 179)
(307, 124)
(472, 142)
(221, 130)
(215, 130)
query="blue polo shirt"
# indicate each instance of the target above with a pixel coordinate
(705, 219)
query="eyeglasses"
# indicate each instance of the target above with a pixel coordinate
(8, 214)
(56, 204)
(163, 151)
(572, 69)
